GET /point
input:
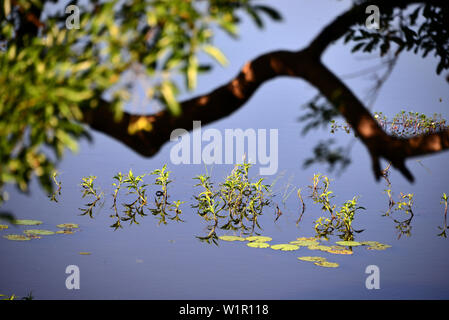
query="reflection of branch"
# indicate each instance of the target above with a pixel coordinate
(304, 64)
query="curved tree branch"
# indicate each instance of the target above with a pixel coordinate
(305, 64)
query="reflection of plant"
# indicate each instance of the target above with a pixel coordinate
(404, 204)
(57, 192)
(135, 186)
(339, 220)
(117, 185)
(163, 206)
(303, 207)
(444, 201)
(88, 189)
(238, 200)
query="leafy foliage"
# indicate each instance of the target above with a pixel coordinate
(423, 30)
(51, 75)
(238, 202)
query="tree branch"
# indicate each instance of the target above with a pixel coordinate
(305, 64)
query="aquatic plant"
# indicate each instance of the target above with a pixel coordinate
(87, 186)
(444, 200)
(58, 184)
(238, 202)
(135, 186)
(340, 220)
(163, 207)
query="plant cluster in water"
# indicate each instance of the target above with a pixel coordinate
(137, 192)
(312, 243)
(338, 219)
(235, 205)
(404, 124)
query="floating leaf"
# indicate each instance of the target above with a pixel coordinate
(369, 243)
(259, 239)
(285, 247)
(340, 251)
(349, 243)
(85, 253)
(68, 226)
(379, 246)
(64, 232)
(231, 238)
(327, 264)
(304, 243)
(3, 226)
(38, 232)
(27, 222)
(257, 244)
(312, 259)
(16, 237)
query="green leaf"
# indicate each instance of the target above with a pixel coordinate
(170, 99)
(215, 53)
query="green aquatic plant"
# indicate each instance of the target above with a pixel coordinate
(257, 244)
(303, 207)
(405, 204)
(327, 264)
(3, 226)
(117, 186)
(444, 200)
(38, 232)
(163, 208)
(235, 205)
(348, 243)
(285, 247)
(87, 186)
(68, 226)
(26, 222)
(259, 239)
(135, 186)
(341, 219)
(58, 184)
(17, 237)
(312, 259)
(232, 238)
(403, 125)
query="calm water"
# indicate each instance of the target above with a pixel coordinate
(167, 262)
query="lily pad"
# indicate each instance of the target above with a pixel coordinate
(327, 264)
(312, 259)
(379, 246)
(369, 243)
(16, 237)
(231, 238)
(85, 253)
(349, 243)
(68, 226)
(304, 243)
(340, 251)
(3, 226)
(38, 232)
(285, 247)
(66, 231)
(259, 239)
(257, 244)
(27, 222)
